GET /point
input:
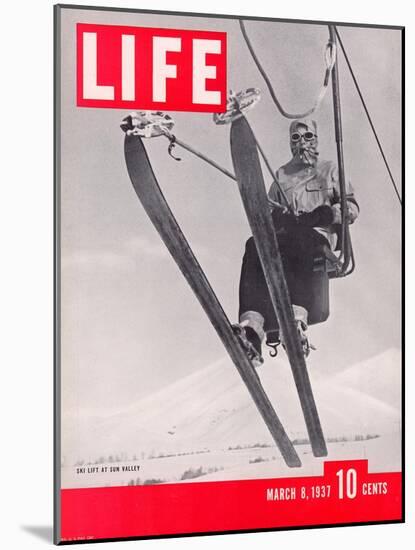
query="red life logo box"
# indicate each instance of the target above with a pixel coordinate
(151, 68)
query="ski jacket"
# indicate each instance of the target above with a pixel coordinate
(307, 187)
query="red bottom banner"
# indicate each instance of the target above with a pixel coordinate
(346, 493)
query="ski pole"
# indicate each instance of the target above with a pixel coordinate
(173, 141)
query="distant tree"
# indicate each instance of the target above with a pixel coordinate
(192, 473)
(153, 481)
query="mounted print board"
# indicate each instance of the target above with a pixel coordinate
(228, 242)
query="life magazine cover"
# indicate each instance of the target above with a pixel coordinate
(228, 274)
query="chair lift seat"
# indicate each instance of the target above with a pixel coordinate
(326, 260)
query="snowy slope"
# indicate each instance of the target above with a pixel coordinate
(211, 409)
(379, 377)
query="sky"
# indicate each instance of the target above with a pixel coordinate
(130, 323)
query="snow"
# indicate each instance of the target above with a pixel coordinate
(208, 424)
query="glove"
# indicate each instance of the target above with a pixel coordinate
(351, 213)
(283, 219)
(322, 216)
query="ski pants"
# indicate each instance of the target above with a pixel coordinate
(298, 247)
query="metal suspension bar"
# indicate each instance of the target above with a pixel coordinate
(330, 57)
(345, 243)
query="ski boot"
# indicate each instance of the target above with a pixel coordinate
(301, 318)
(305, 342)
(306, 345)
(250, 342)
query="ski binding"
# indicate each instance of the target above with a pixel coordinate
(255, 358)
(147, 124)
(238, 103)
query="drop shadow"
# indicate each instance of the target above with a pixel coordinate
(43, 532)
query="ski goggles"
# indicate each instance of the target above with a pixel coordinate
(308, 136)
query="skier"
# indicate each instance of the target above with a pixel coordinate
(311, 187)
